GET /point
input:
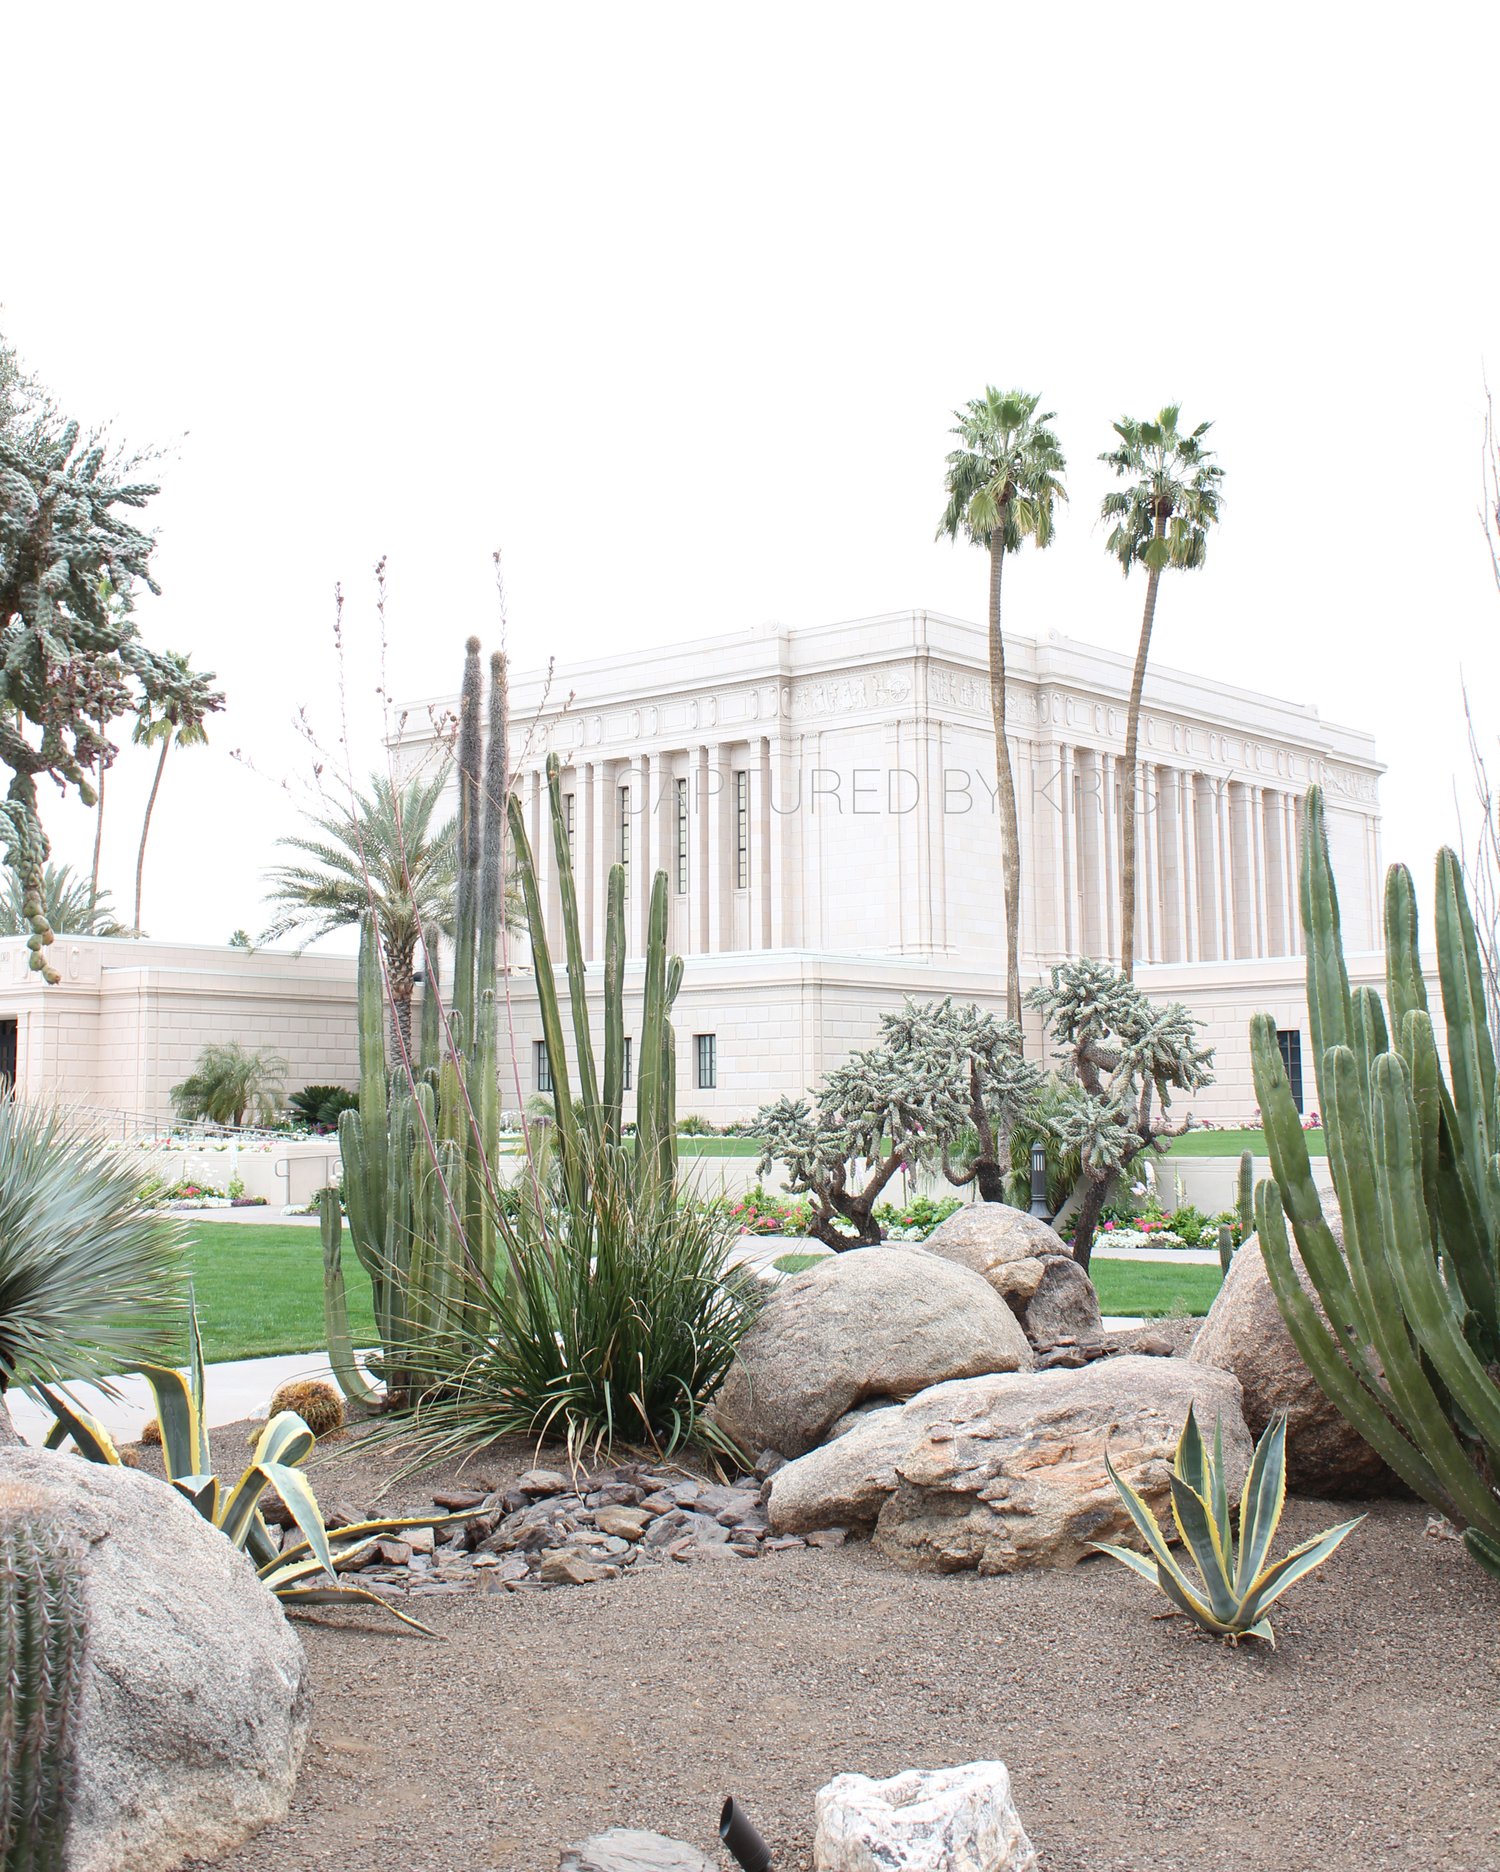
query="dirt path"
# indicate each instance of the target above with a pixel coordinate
(1368, 1742)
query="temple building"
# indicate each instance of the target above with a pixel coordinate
(823, 804)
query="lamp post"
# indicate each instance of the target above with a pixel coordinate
(1039, 1182)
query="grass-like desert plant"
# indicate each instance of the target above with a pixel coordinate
(1237, 1586)
(90, 1273)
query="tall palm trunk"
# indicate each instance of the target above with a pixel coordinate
(401, 962)
(1005, 788)
(1132, 741)
(98, 836)
(140, 862)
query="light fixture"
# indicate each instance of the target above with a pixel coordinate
(1039, 1182)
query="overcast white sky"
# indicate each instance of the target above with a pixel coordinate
(673, 303)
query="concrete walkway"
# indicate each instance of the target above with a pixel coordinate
(233, 1390)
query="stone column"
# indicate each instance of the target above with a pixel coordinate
(1109, 827)
(758, 759)
(1192, 903)
(1148, 826)
(1260, 944)
(717, 872)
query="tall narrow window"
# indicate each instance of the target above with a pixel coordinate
(543, 1067)
(627, 1062)
(682, 838)
(707, 1046)
(742, 828)
(570, 820)
(1289, 1039)
(622, 843)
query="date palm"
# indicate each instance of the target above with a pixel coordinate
(385, 853)
(70, 904)
(176, 721)
(1004, 480)
(1160, 518)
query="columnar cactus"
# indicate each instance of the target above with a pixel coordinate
(1411, 1355)
(42, 1638)
(1245, 1195)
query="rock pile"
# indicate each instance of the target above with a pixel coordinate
(549, 1529)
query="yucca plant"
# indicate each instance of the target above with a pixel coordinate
(301, 1574)
(90, 1273)
(1237, 1584)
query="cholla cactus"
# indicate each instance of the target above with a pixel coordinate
(1122, 1059)
(900, 1105)
(985, 1053)
(42, 1635)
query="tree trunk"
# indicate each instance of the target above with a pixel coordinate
(140, 863)
(1089, 1210)
(98, 834)
(1005, 789)
(400, 962)
(1128, 790)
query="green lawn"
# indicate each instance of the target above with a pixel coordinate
(718, 1147)
(1132, 1288)
(259, 1289)
(1231, 1143)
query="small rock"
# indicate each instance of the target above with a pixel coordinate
(779, 1542)
(684, 1493)
(625, 1849)
(767, 1463)
(624, 1523)
(658, 1503)
(562, 1567)
(543, 1482)
(420, 1540)
(614, 1495)
(391, 1552)
(922, 1822)
(827, 1537)
(454, 1501)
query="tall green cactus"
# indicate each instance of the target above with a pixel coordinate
(42, 1637)
(1411, 1338)
(1245, 1194)
(420, 1150)
(597, 1121)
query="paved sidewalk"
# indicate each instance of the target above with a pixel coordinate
(235, 1389)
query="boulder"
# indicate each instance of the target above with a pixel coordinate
(628, 1849)
(945, 1820)
(196, 1700)
(871, 1322)
(1028, 1264)
(1007, 1472)
(1244, 1333)
(847, 1480)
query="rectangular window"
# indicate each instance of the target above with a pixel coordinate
(622, 841)
(742, 828)
(543, 1067)
(627, 1062)
(1289, 1039)
(682, 838)
(707, 1048)
(570, 820)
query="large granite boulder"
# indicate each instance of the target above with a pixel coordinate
(882, 1322)
(1028, 1264)
(1006, 1472)
(938, 1820)
(196, 1699)
(1244, 1333)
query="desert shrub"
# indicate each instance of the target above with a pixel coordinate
(765, 1212)
(915, 1220)
(90, 1272)
(695, 1125)
(319, 1106)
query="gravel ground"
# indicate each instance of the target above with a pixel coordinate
(1369, 1739)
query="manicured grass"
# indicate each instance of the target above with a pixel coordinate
(1147, 1289)
(259, 1289)
(718, 1147)
(1136, 1289)
(1231, 1143)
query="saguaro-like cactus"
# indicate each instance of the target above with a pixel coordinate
(597, 1122)
(42, 1636)
(1414, 1342)
(1245, 1194)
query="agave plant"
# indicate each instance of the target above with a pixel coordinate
(300, 1574)
(1238, 1585)
(90, 1273)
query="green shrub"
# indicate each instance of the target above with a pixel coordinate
(764, 1212)
(694, 1125)
(228, 1083)
(319, 1106)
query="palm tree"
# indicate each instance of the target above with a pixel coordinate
(227, 1082)
(1003, 482)
(166, 723)
(380, 853)
(71, 906)
(1161, 518)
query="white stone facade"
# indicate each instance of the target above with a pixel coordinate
(823, 803)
